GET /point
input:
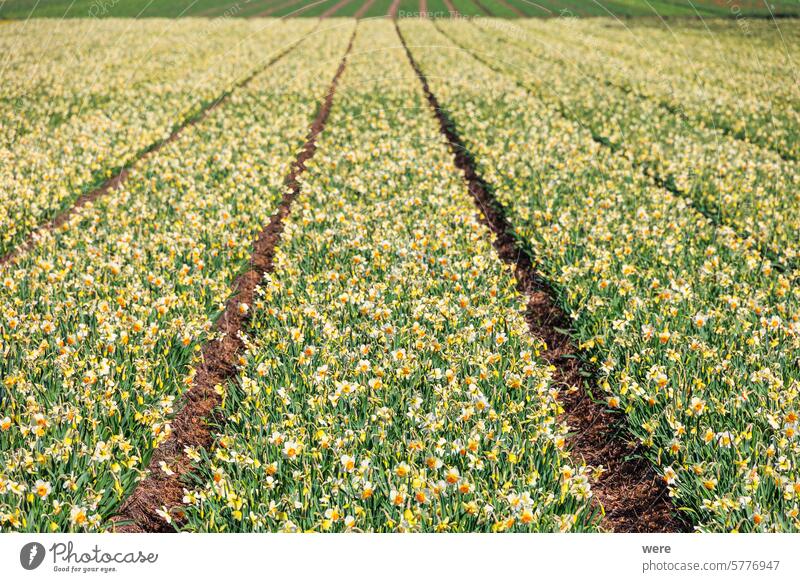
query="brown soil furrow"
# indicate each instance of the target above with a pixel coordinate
(480, 5)
(364, 7)
(215, 11)
(335, 8)
(394, 8)
(633, 498)
(300, 11)
(219, 359)
(119, 178)
(280, 6)
(451, 8)
(513, 8)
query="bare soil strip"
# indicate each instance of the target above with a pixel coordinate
(219, 360)
(451, 8)
(364, 7)
(485, 10)
(629, 491)
(119, 178)
(280, 6)
(513, 8)
(215, 11)
(394, 8)
(335, 8)
(423, 8)
(300, 11)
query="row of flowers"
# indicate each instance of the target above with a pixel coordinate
(389, 381)
(101, 321)
(66, 141)
(724, 77)
(58, 69)
(737, 183)
(694, 333)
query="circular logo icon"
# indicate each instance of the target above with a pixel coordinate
(31, 555)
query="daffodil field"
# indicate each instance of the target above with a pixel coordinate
(101, 320)
(390, 383)
(694, 331)
(62, 140)
(748, 187)
(391, 377)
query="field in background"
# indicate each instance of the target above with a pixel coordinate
(22, 9)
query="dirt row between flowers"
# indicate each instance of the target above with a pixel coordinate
(335, 8)
(513, 8)
(121, 175)
(451, 8)
(274, 8)
(632, 496)
(364, 8)
(483, 8)
(220, 357)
